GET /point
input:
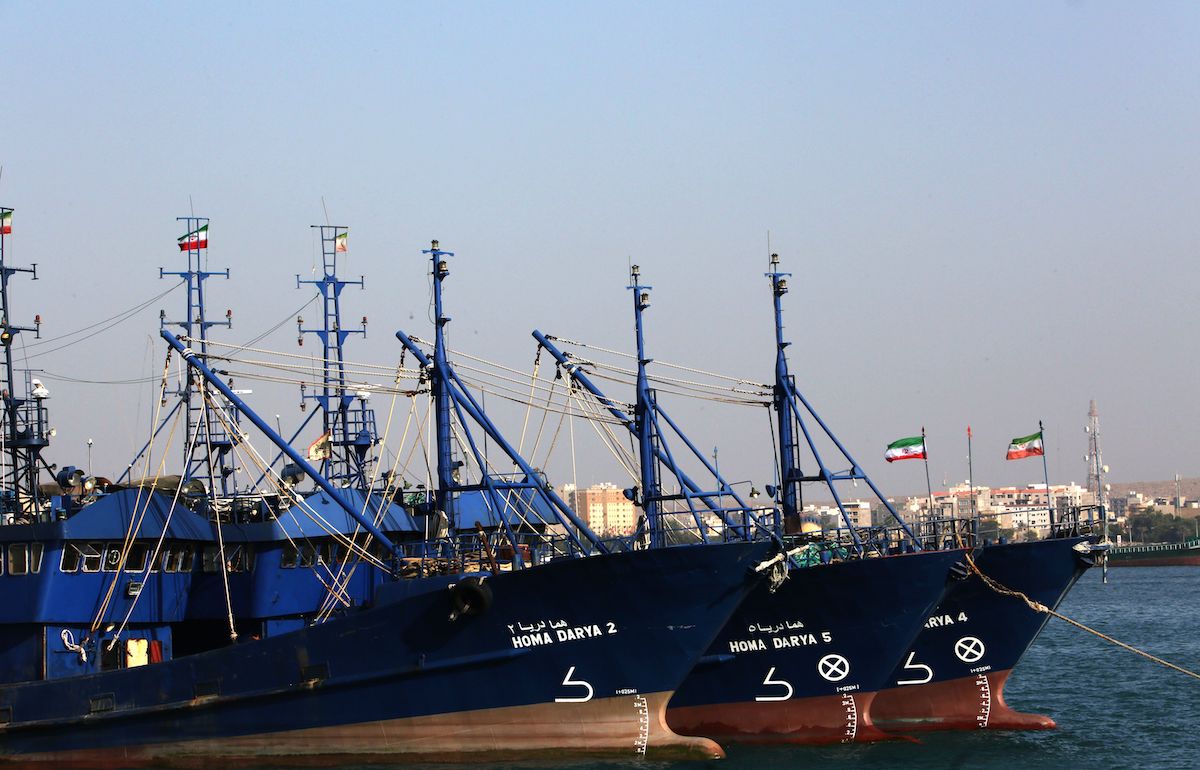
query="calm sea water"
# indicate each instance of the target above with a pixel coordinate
(1114, 709)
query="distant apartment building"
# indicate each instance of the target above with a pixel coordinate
(858, 511)
(603, 507)
(1136, 502)
(1018, 508)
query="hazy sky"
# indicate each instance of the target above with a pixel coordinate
(989, 208)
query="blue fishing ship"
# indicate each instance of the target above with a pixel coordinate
(799, 662)
(953, 675)
(119, 653)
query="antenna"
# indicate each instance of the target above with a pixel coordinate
(323, 208)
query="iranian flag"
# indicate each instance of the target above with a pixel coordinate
(912, 448)
(196, 239)
(1026, 446)
(5, 222)
(340, 242)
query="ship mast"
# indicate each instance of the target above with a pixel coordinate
(740, 520)
(26, 434)
(645, 425)
(206, 456)
(347, 422)
(789, 472)
(791, 406)
(504, 495)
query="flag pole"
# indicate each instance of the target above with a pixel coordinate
(971, 483)
(1045, 470)
(928, 485)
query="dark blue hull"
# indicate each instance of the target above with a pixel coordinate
(953, 676)
(801, 665)
(578, 654)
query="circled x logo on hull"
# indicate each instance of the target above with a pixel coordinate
(835, 668)
(969, 649)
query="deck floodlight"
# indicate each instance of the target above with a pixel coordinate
(291, 474)
(69, 477)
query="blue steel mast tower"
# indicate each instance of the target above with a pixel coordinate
(643, 416)
(207, 455)
(789, 471)
(347, 422)
(453, 400)
(790, 406)
(26, 433)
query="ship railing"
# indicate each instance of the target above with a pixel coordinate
(843, 543)
(360, 421)
(939, 533)
(1077, 520)
(474, 552)
(32, 417)
(884, 540)
(716, 524)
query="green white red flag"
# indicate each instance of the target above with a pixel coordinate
(196, 239)
(5, 222)
(340, 242)
(912, 448)
(1026, 446)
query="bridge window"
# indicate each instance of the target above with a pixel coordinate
(91, 553)
(289, 557)
(308, 555)
(70, 558)
(328, 552)
(18, 559)
(237, 559)
(136, 561)
(25, 558)
(178, 558)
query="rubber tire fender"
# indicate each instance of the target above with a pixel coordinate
(471, 596)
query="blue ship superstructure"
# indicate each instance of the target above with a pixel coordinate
(94, 576)
(799, 663)
(295, 556)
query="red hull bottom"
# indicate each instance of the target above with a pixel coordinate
(623, 727)
(970, 703)
(811, 721)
